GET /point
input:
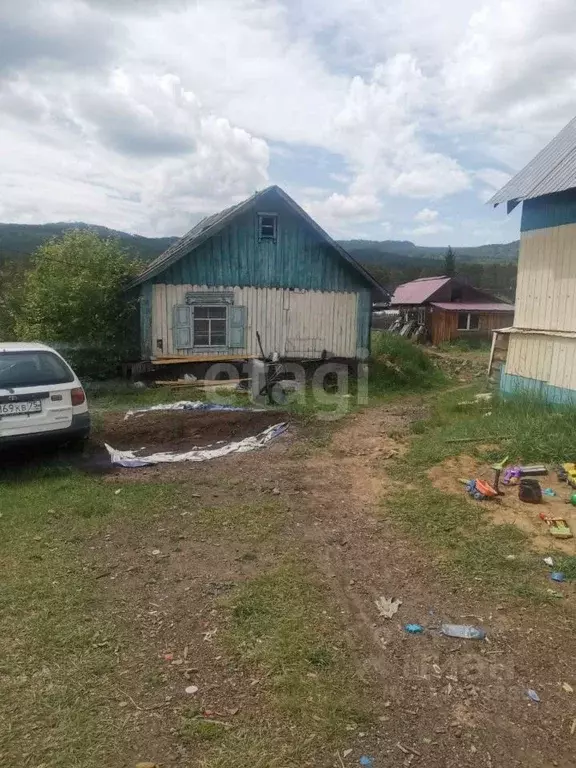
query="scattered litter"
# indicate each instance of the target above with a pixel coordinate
(146, 765)
(192, 689)
(555, 593)
(557, 526)
(408, 750)
(549, 561)
(557, 576)
(367, 761)
(156, 552)
(414, 629)
(549, 492)
(573, 727)
(510, 557)
(464, 631)
(480, 490)
(512, 476)
(484, 397)
(118, 492)
(347, 752)
(567, 687)
(531, 693)
(534, 469)
(388, 606)
(129, 458)
(530, 491)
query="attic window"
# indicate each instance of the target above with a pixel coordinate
(267, 226)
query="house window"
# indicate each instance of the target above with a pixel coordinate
(467, 321)
(210, 325)
(267, 226)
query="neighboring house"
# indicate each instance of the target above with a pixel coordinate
(261, 266)
(541, 354)
(451, 309)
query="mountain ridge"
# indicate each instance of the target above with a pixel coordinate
(21, 240)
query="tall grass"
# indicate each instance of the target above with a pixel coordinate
(526, 430)
(397, 363)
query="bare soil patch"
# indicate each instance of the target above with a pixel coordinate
(182, 430)
(508, 508)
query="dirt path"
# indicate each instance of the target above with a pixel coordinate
(443, 702)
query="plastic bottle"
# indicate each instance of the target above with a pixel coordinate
(464, 631)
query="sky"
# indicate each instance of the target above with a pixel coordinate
(390, 119)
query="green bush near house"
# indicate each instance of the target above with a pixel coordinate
(399, 363)
(74, 298)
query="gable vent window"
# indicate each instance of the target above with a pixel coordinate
(267, 226)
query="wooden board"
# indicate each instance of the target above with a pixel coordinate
(201, 359)
(200, 383)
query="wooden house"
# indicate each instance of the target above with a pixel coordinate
(449, 308)
(261, 266)
(541, 342)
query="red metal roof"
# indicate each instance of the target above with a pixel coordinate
(418, 291)
(473, 306)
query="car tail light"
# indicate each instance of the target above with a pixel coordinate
(78, 396)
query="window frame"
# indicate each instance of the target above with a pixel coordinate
(209, 320)
(259, 223)
(469, 316)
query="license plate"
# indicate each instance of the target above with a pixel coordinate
(15, 409)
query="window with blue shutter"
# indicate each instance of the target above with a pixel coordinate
(237, 327)
(182, 327)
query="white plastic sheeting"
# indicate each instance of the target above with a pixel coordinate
(130, 459)
(189, 405)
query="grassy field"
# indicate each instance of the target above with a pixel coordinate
(470, 547)
(112, 587)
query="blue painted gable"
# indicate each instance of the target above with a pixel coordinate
(549, 211)
(299, 258)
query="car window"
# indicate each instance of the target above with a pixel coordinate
(32, 369)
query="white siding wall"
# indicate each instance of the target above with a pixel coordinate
(550, 359)
(546, 289)
(298, 324)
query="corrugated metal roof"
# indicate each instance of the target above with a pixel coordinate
(418, 291)
(473, 306)
(213, 224)
(552, 170)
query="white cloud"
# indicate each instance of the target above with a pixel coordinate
(428, 223)
(338, 213)
(426, 216)
(147, 114)
(139, 150)
(378, 130)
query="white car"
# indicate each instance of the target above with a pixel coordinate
(40, 396)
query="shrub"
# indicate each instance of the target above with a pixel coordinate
(398, 362)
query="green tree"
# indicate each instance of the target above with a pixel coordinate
(12, 275)
(74, 297)
(450, 262)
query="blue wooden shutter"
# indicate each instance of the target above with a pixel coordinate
(237, 327)
(181, 327)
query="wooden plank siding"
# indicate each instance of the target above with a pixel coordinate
(443, 325)
(296, 324)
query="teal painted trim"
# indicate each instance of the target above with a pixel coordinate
(511, 384)
(549, 211)
(145, 301)
(299, 258)
(363, 324)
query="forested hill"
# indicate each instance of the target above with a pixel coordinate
(384, 251)
(492, 267)
(21, 240)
